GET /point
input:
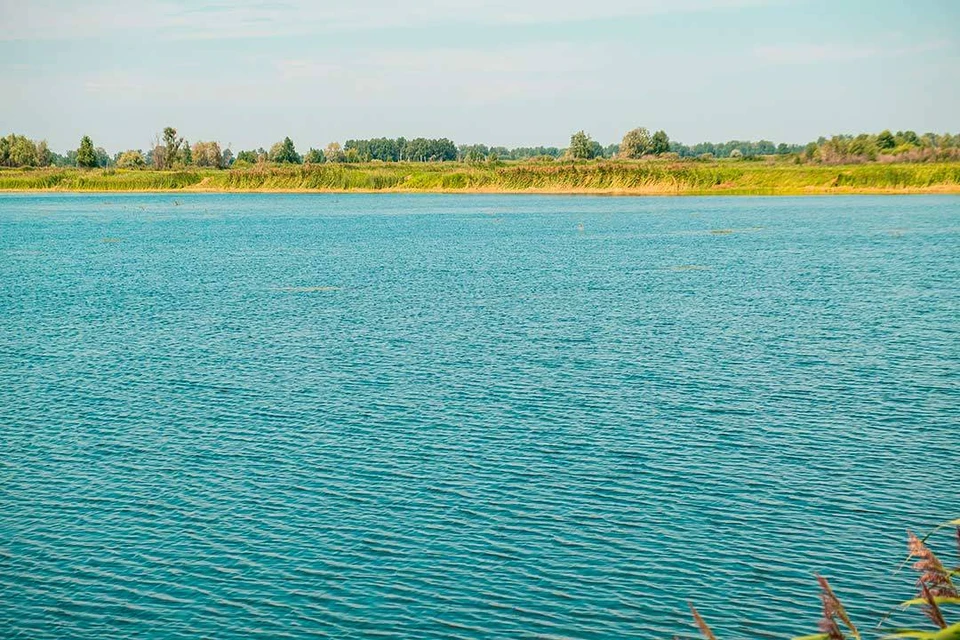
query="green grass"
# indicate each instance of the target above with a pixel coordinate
(645, 177)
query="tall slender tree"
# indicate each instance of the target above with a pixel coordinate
(86, 155)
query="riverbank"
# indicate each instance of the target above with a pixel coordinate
(607, 177)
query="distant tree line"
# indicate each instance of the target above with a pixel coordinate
(169, 150)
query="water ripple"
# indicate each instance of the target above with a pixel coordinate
(368, 417)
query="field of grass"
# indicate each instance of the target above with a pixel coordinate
(610, 177)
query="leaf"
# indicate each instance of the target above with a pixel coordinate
(815, 636)
(937, 599)
(950, 633)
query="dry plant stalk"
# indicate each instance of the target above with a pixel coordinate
(701, 624)
(833, 609)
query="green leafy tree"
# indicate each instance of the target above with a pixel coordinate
(284, 152)
(885, 140)
(315, 156)
(474, 153)
(131, 160)
(171, 142)
(21, 152)
(44, 155)
(863, 146)
(907, 137)
(636, 143)
(169, 150)
(659, 143)
(185, 157)
(247, 156)
(86, 155)
(581, 146)
(419, 149)
(103, 158)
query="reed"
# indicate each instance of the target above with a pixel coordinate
(936, 591)
(602, 177)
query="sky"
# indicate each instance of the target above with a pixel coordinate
(500, 72)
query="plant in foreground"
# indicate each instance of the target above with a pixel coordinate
(936, 588)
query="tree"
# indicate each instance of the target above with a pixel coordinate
(131, 160)
(443, 150)
(660, 143)
(581, 146)
(247, 156)
(907, 137)
(207, 154)
(103, 158)
(334, 153)
(885, 140)
(19, 151)
(315, 156)
(86, 156)
(417, 150)
(185, 157)
(171, 142)
(284, 152)
(474, 153)
(863, 146)
(44, 155)
(636, 143)
(169, 150)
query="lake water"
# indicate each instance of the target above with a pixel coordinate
(424, 416)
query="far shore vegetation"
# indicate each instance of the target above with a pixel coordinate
(642, 163)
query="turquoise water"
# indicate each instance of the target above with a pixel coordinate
(239, 416)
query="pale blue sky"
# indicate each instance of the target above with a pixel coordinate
(504, 72)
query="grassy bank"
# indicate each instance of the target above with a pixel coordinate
(613, 177)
